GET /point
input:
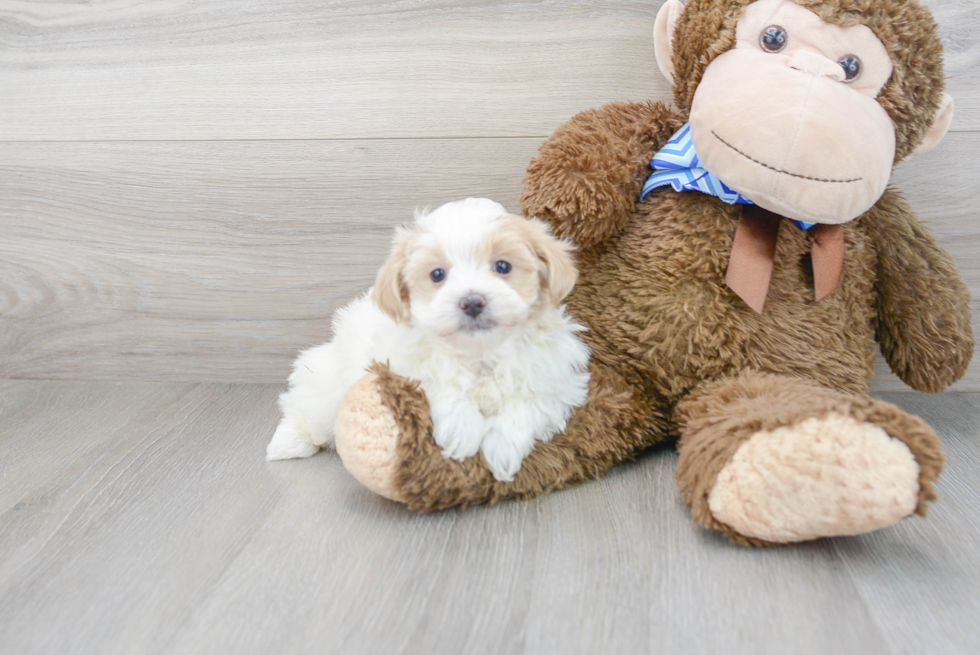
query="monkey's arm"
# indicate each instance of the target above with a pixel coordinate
(384, 436)
(587, 176)
(923, 312)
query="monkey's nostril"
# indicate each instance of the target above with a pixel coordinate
(473, 304)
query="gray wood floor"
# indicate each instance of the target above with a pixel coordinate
(141, 518)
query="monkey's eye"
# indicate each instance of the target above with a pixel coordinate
(438, 275)
(852, 67)
(773, 39)
(502, 267)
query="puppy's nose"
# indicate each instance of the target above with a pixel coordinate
(473, 304)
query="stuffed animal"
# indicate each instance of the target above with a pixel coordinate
(739, 257)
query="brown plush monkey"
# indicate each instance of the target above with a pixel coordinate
(726, 325)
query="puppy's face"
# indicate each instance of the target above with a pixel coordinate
(471, 277)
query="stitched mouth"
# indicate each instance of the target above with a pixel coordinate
(773, 168)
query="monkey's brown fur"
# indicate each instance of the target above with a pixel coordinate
(675, 353)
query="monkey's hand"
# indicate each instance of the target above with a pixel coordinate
(923, 313)
(587, 176)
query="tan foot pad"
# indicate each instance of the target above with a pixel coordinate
(367, 438)
(823, 477)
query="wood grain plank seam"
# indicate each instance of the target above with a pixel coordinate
(213, 582)
(450, 137)
(872, 616)
(426, 600)
(125, 460)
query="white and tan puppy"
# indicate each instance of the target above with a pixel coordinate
(469, 304)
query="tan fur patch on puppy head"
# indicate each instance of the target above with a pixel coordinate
(427, 255)
(390, 293)
(538, 260)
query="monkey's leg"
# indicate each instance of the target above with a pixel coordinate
(769, 459)
(384, 436)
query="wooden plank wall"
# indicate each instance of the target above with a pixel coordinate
(189, 189)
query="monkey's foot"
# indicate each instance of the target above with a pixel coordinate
(767, 459)
(822, 477)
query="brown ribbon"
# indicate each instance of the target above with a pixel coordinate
(754, 250)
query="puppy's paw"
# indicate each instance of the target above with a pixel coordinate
(458, 429)
(505, 450)
(289, 442)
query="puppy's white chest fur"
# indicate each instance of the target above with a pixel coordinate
(520, 390)
(489, 384)
(486, 395)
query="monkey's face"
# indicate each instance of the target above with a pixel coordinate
(788, 117)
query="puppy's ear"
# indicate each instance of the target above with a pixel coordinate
(559, 272)
(390, 293)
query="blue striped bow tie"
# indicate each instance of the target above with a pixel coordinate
(677, 164)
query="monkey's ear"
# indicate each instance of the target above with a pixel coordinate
(944, 116)
(663, 36)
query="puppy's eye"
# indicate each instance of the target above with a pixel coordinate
(502, 267)
(773, 39)
(438, 275)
